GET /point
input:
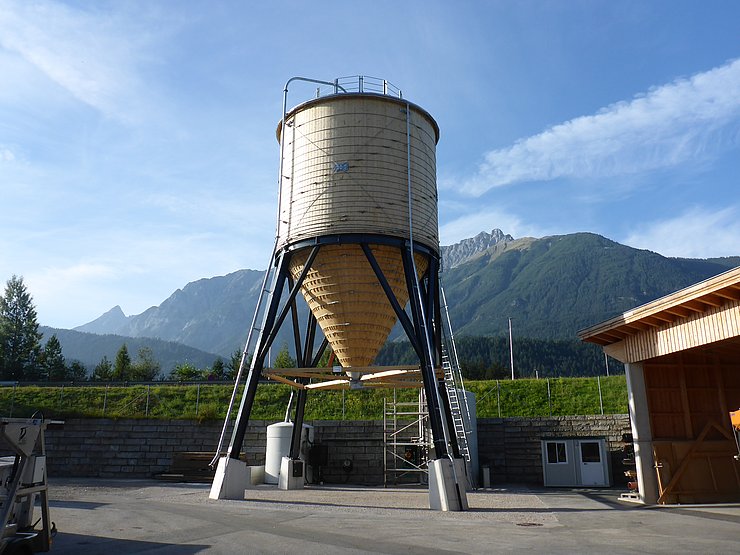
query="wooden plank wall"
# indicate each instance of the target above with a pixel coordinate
(702, 328)
(690, 395)
(370, 193)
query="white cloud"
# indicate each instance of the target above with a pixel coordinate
(91, 56)
(6, 155)
(75, 276)
(697, 233)
(683, 121)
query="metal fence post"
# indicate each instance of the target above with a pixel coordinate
(105, 399)
(549, 397)
(601, 400)
(197, 400)
(498, 398)
(146, 411)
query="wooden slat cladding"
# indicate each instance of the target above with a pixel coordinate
(698, 329)
(348, 302)
(345, 170)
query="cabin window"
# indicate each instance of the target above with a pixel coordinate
(556, 452)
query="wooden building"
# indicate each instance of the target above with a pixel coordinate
(682, 360)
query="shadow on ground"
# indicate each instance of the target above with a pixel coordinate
(100, 545)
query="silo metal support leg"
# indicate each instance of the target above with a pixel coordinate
(264, 341)
(427, 365)
(233, 475)
(407, 325)
(275, 325)
(300, 409)
(296, 327)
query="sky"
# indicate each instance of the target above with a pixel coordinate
(137, 138)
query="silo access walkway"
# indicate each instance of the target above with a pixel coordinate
(108, 516)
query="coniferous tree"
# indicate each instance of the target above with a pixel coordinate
(19, 333)
(76, 371)
(103, 371)
(218, 370)
(122, 366)
(186, 372)
(232, 366)
(283, 358)
(53, 365)
(145, 369)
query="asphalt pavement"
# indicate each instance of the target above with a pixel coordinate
(114, 517)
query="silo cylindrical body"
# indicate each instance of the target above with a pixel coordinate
(348, 162)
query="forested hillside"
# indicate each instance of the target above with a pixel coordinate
(488, 358)
(554, 286)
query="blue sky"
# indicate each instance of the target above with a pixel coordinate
(137, 138)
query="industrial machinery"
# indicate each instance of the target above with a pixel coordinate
(357, 236)
(23, 475)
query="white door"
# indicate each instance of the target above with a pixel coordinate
(592, 463)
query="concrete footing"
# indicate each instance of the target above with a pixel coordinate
(447, 485)
(292, 474)
(233, 476)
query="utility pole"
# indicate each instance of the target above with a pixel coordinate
(511, 351)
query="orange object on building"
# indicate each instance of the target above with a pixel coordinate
(735, 419)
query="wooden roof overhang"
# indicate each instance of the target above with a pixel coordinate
(704, 313)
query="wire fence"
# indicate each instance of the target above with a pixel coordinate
(209, 400)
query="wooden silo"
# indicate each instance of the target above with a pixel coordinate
(357, 237)
(347, 170)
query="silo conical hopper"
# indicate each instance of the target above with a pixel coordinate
(347, 163)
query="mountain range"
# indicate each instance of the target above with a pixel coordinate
(90, 348)
(550, 287)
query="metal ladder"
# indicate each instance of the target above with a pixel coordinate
(459, 409)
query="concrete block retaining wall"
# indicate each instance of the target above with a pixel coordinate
(133, 448)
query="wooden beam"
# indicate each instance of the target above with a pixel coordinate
(687, 458)
(712, 300)
(664, 316)
(678, 311)
(291, 383)
(732, 294)
(688, 428)
(640, 326)
(615, 334)
(695, 306)
(330, 384)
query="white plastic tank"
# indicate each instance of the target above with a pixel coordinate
(473, 436)
(279, 436)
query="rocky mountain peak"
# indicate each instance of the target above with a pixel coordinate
(110, 322)
(454, 255)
